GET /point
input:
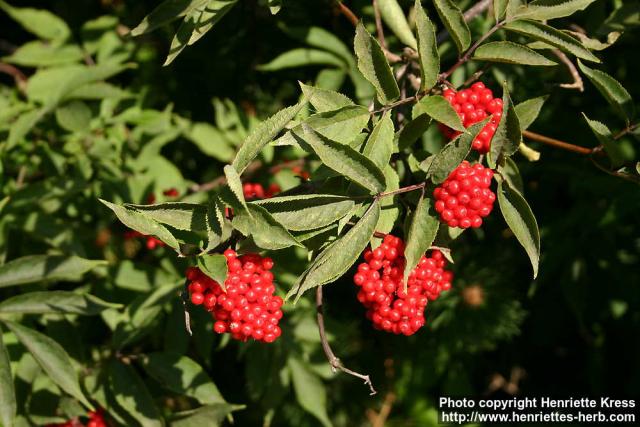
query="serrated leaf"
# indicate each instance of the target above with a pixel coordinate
(542, 10)
(500, 9)
(310, 392)
(544, 33)
(413, 130)
(64, 302)
(453, 20)
(389, 210)
(40, 22)
(439, 109)
(527, 111)
(595, 44)
(307, 212)
(393, 16)
(182, 375)
(507, 138)
(235, 185)
(379, 146)
(183, 216)
(52, 358)
(343, 159)
(8, 406)
(520, 219)
(428, 55)
(165, 12)
(338, 257)
(421, 234)
(263, 134)
(142, 223)
(453, 153)
(214, 266)
(612, 91)
(196, 24)
(510, 53)
(302, 57)
(325, 100)
(374, 66)
(50, 268)
(132, 394)
(267, 233)
(217, 227)
(511, 174)
(341, 125)
(605, 137)
(211, 141)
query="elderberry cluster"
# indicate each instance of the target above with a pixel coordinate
(464, 198)
(474, 105)
(256, 191)
(380, 279)
(247, 307)
(96, 419)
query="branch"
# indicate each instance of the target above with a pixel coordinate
(559, 144)
(336, 364)
(347, 13)
(379, 29)
(401, 190)
(625, 131)
(471, 13)
(18, 76)
(577, 80)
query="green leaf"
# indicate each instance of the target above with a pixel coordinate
(389, 209)
(324, 100)
(263, 134)
(265, 230)
(50, 268)
(8, 405)
(307, 212)
(422, 232)
(338, 257)
(453, 153)
(527, 111)
(165, 12)
(344, 160)
(542, 10)
(214, 266)
(341, 125)
(380, 146)
(520, 219)
(218, 229)
(132, 394)
(52, 358)
(612, 90)
(439, 109)
(211, 141)
(183, 216)
(428, 55)
(320, 38)
(413, 130)
(374, 66)
(209, 415)
(182, 375)
(510, 53)
(235, 185)
(453, 20)
(40, 22)
(310, 392)
(74, 116)
(22, 126)
(302, 57)
(196, 24)
(141, 222)
(393, 16)
(42, 54)
(508, 135)
(544, 33)
(605, 137)
(595, 44)
(500, 9)
(274, 6)
(511, 174)
(64, 302)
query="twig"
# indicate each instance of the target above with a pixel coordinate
(379, 29)
(18, 76)
(336, 364)
(577, 80)
(558, 144)
(184, 296)
(380, 419)
(347, 13)
(401, 190)
(468, 15)
(622, 175)
(626, 130)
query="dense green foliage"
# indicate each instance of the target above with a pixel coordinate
(92, 125)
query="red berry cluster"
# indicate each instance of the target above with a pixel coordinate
(248, 308)
(474, 105)
(95, 420)
(464, 198)
(380, 279)
(256, 191)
